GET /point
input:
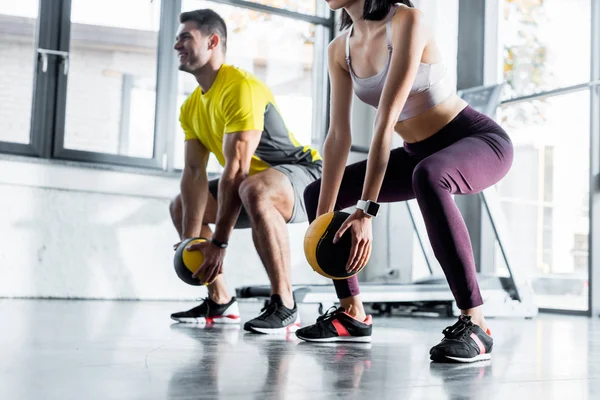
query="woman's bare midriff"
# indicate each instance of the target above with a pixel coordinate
(431, 121)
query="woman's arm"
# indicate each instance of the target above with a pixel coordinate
(408, 41)
(339, 139)
(409, 38)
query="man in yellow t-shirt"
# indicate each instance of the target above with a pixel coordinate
(234, 115)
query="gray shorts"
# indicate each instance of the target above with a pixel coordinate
(300, 177)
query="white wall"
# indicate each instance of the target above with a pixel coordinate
(68, 231)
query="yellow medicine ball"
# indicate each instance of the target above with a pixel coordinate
(324, 257)
(187, 262)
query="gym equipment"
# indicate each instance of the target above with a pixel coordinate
(504, 296)
(186, 262)
(324, 257)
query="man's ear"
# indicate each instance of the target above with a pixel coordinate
(214, 41)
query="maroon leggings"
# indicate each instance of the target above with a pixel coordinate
(469, 154)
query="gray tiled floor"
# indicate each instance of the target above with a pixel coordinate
(131, 350)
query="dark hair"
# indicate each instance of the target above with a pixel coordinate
(374, 10)
(208, 22)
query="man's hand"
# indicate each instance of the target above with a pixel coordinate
(213, 261)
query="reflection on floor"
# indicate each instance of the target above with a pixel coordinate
(132, 350)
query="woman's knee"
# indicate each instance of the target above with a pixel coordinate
(430, 174)
(311, 198)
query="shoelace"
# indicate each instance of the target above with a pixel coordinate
(268, 310)
(460, 329)
(329, 314)
(205, 302)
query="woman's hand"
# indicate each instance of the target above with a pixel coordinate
(361, 227)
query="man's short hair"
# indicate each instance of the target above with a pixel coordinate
(208, 22)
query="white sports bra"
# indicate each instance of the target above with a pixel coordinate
(429, 88)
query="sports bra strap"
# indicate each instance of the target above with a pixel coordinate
(348, 43)
(388, 27)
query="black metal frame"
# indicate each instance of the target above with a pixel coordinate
(167, 83)
(322, 105)
(551, 93)
(594, 185)
(560, 311)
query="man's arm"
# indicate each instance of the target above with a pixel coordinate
(194, 188)
(238, 149)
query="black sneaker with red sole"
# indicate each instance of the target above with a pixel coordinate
(209, 312)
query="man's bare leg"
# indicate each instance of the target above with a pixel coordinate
(268, 197)
(217, 291)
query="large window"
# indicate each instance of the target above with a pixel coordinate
(112, 74)
(18, 21)
(547, 111)
(545, 195)
(97, 80)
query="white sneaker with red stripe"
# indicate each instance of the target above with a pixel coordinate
(336, 325)
(209, 312)
(463, 342)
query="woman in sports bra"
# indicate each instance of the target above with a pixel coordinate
(390, 60)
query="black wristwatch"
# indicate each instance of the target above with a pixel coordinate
(368, 207)
(221, 245)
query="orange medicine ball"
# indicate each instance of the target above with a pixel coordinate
(324, 257)
(187, 262)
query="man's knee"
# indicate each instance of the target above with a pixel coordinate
(311, 199)
(254, 194)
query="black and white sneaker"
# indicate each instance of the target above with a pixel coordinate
(210, 312)
(463, 342)
(336, 325)
(275, 318)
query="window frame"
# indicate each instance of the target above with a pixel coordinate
(594, 196)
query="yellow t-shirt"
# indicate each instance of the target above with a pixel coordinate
(237, 101)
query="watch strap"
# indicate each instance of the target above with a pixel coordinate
(368, 207)
(221, 245)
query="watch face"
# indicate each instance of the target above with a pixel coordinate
(372, 209)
